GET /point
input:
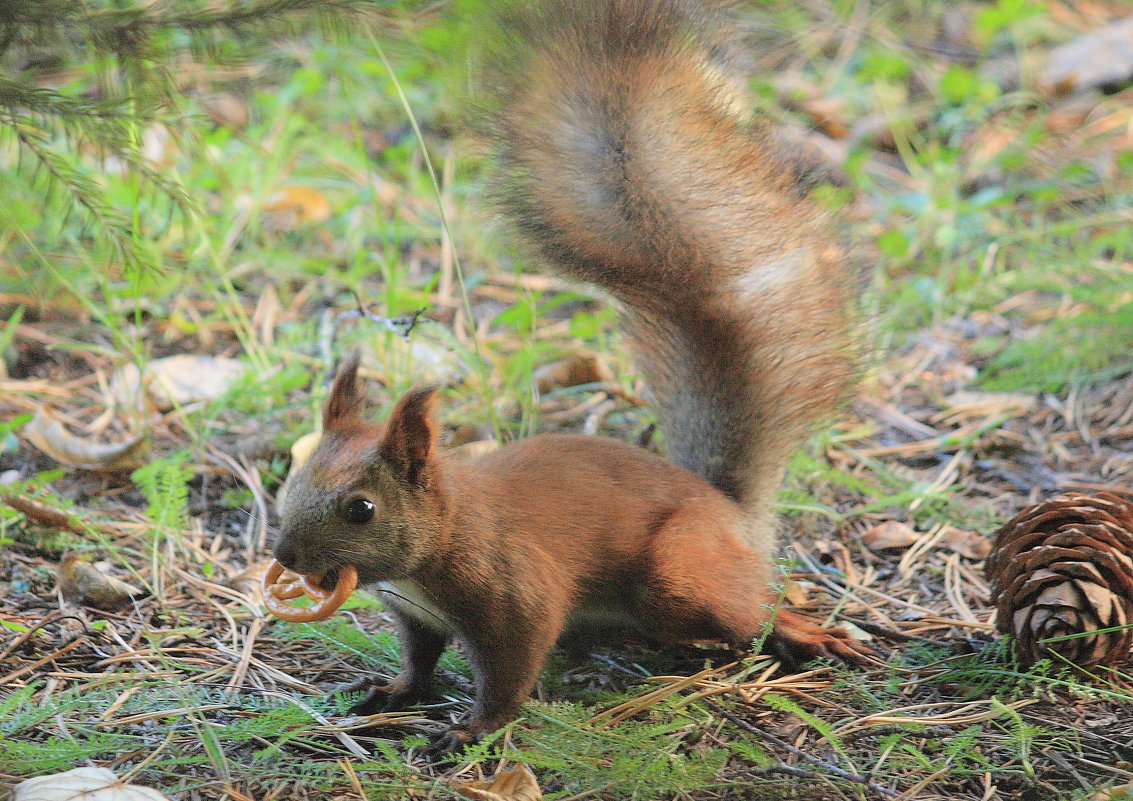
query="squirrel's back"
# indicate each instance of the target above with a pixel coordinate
(627, 156)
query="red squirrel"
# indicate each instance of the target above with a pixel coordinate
(626, 159)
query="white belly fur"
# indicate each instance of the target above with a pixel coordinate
(409, 599)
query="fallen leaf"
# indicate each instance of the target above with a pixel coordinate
(1123, 792)
(829, 115)
(856, 632)
(41, 513)
(47, 433)
(579, 368)
(294, 206)
(226, 110)
(82, 784)
(795, 594)
(507, 785)
(83, 583)
(473, 450)
(302, 449)
(464, 434)
(426, 362)
(175, 381)
(969, 544)
(890, 534)
(1100, 57)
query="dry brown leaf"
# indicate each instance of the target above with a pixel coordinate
(969, 544)
(41, 513)
(302, 449)
(795, 594)
(176, 381)
(576, 369)
(227, 110)
(829, 115)
(82, 784)
(1094, 59)
(293, 206)
(507, 785)
(890, 534)
(47, 433)
(1122, 792)
(473, 450)
(83, 583)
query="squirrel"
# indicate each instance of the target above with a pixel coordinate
(626, 158)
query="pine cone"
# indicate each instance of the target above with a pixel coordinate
(1065, 567)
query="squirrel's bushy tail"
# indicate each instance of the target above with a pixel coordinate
(626, 155)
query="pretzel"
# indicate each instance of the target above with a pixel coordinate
(326, 603)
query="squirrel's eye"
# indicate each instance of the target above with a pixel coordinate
(359, 510)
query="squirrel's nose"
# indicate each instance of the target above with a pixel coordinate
(286, 554)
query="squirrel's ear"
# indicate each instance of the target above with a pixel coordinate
(410, 435)
(344, 402)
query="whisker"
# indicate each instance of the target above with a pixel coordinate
(251, 515)
(429, 612)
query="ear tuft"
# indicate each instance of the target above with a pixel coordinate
(345, 401)
(410, 437)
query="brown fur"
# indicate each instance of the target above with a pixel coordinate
(626, 159)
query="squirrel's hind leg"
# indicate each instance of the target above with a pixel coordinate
(703, 581)
(706, 583)
(795, 640)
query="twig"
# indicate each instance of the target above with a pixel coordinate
(402, 326)
(882, 731)
(329, 325)
(241, 670)
(75, 643)
(890, 634)
(44, 514)
(56, 615)
(784, 768)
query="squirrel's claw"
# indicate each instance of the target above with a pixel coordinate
(375, 700)
(449, 741)
(381, 695)
(795, 640)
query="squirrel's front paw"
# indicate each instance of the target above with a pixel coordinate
(383, 697)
